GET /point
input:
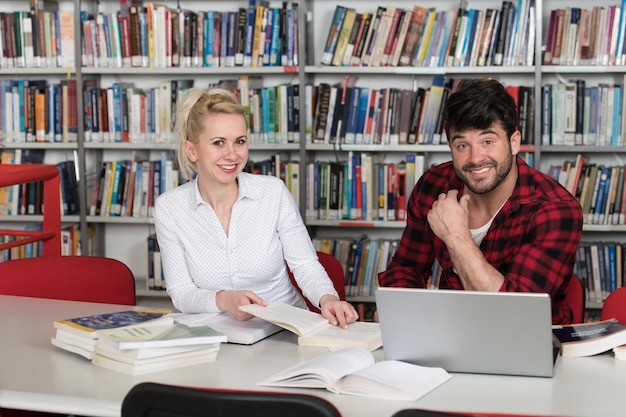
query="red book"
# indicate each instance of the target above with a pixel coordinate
(401, 192)
(125, 35)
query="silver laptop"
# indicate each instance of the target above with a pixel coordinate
(468, 331)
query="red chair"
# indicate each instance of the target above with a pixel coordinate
(575, 298)
(335, 271)
(50, 234)
(76, 278)
(615, 306)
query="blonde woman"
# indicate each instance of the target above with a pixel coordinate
(225, 235)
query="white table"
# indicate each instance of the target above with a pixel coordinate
(35, 375)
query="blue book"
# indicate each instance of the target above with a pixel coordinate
(114, 207)
(224, 39)
(249, 33)
(117, 112)
(594, 115)
(603, 266)
(346, 194)
(275, 52)
(20, 129)
(272, 114)
(266, 114)
(612, 266)
(350, 115)
(598, 213)
(621, 47)
(208, 38)
(291, 34)
(444, 43)
(382, 192)
(231, 39)
(333, 34)
(316, 190)
(468, 37)
(267, 46)
(616, 132)
(362, 111)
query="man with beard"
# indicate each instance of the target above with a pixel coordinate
(491, 221)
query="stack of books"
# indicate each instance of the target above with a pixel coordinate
(137, 341)
(80, 334)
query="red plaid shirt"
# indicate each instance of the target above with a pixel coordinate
(532, 241)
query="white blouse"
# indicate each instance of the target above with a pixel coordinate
(265, 230)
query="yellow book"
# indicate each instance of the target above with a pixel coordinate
(150, 23)
(110, 188)
(256, 39)
(344, 36)
(431, 18)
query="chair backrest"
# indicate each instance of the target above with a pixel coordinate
(335, 271)
(615, 306)
(149, 399)
(76, 278)
(50, 233)
(575, 298)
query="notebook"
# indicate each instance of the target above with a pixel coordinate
(468, 331)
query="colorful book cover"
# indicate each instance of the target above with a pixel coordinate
(89, 325)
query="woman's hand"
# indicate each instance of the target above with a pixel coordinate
(230, 301)
(337, 312)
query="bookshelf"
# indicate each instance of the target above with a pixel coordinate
(123, 237)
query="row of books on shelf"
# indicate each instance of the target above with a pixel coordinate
(346, 113)
(427, 37)
(125, 113)
(574, 113)
(158, 36)
(38, 111)
(586, 36)
(128, 188)
(600, 266)
(599, 189)
(37, 38)
(70, 244)
(362, 259)
(27, 198)
(361, 188)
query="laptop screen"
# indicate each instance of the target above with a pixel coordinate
(468, 331)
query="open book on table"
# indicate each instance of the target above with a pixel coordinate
(354, 371)
(314, 330)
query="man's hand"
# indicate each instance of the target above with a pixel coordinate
(449, 216)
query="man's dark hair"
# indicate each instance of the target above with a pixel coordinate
(477, 104)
